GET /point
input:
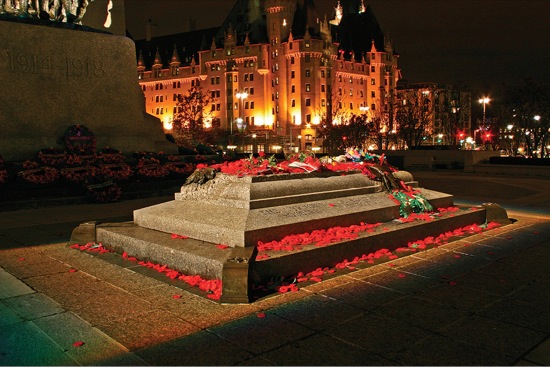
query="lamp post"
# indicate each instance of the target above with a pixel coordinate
(484, 101)
(241, 125)
(241, 96)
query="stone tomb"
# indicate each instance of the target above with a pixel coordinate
(239, 212)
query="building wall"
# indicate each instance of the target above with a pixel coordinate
(292, 86)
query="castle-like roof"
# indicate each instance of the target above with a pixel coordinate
(354, 34)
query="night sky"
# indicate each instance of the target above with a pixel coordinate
(483, 44)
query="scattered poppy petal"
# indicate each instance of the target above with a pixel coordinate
(222, 247)
(401, 275)
(78, 344)
(72, 270)
(260, 315)
(330, 204)
(22, 259)
(452, 283)
(176, 296)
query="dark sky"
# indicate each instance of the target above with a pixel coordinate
(479, 43)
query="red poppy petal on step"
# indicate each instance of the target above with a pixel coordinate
(22, 259)
(401, 275)
(78, 344)
(72, 270)
(176, 296)
(330, 204)
(456, 256)
(222, 247)
(260, 315)
(452, 283)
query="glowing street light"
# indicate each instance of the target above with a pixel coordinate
(241, 96)
(484, 101)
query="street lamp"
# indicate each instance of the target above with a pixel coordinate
(484, 101)
(241, 96)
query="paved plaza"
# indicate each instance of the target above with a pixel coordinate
(481, 300)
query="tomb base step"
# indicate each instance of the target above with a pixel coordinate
(239, 269)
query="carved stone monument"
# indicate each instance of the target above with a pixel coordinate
(54, 77)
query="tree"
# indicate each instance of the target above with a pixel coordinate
(453, 115)
(528, 106)
(192, 112)
(353, 133)
(414, 116)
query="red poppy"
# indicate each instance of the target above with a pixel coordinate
(174, 235)
(72, 270)
(260, 315)
(222, 247)
(176, 296)
(78, 344)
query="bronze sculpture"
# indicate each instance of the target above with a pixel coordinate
(70, 11)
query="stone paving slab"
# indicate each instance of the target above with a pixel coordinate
(11, 286)
(66, 328)
(25, 344)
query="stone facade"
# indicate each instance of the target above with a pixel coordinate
(54, 78)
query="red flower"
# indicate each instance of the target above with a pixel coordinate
(222, 247)
(260, 315)
(176, 296)
(174, 235)
(78, 344)
(330, 204)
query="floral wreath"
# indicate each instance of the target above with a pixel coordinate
(79, 140)
(3, 171)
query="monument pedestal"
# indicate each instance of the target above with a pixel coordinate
(239, 212)
(53, 78)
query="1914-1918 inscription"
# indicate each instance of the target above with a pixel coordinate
(51, 66)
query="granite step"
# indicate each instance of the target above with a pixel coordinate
(191, 256)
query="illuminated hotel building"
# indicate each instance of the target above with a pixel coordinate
(278, 66)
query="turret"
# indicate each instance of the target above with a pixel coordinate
(279, 18)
